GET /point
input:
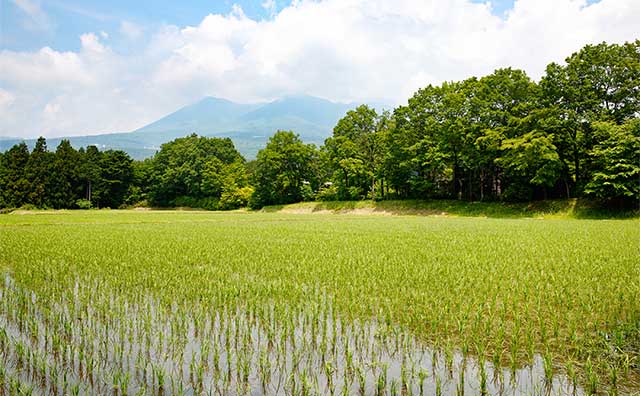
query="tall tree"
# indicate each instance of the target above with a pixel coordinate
(14, 181)
(180, 166)
(533, 157)
(616, 159)
(598, 83)
(116, 175)
(66, 185)
(38, 171)
(355, 152)
(90, 175)
(3, 204)
(500, 103)
(283, 170)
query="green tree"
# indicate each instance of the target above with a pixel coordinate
(90, 175)
(355, 152)
(283, 169)
(499, 104)
(13, 180)
(533, 157)
(229, 182)
(116, 176)
(38, 172)
(598, 83)
(616, 160)
(182, 168)
(2, 188)
(65, 182)
(141, 184)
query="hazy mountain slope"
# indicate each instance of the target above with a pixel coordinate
(248, 125)
(206, 114)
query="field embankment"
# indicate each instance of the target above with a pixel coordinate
(561, 209)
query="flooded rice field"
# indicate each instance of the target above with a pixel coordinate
(166, 303)
(89, 343)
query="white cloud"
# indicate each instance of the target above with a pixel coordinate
(269, 6)
(6, 100)
(37, 18)
(131, 30)
(345, 50)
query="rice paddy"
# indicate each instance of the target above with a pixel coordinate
(202, 303)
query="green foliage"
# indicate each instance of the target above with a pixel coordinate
(445, 141)
(65, 176)
(83, 204)
(115, 178)
(195, 167)
(354, 153)
(533, 157)
(282, 170)
(306, 192)
(37, 171)
(235, 198)
(15, 185)
(598, 83)
(61, 179)
(327, 192)
(616, 157)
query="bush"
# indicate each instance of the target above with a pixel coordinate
(255, 201)
(134, 196)
(327, 193)
(211, 203)
(235, 199)
(141, 204)
(306, 192)
(184, 201)
(355, 192)
(83, 204)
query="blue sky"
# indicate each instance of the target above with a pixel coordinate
(63, 21)
(70, 67)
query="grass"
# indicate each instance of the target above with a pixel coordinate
(282, 297)
(560, 209)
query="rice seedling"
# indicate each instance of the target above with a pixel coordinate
(126, 303)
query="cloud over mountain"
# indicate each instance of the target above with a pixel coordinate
(343, 50)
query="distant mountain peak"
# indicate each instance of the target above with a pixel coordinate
(248, 125)
(214, 99)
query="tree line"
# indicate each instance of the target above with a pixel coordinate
(576, 133)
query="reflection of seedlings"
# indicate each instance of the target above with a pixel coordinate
(91, 341)
(460, 386)
(483, 379)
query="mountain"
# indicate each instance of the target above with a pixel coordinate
(209, 113)
(248, 125)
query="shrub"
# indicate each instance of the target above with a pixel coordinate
(236, 198)
(83, 204)
(327, 193)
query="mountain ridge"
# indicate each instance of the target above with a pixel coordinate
(248, 125)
